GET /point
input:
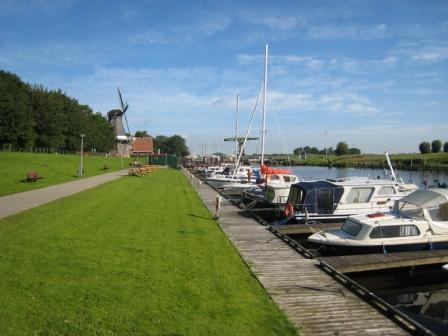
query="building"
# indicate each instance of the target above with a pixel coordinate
(143, 146)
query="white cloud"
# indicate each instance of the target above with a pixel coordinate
(349, 32)
(201, 29)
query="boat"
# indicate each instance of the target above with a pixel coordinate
(418, 221)
(333, 200)
(270, 193)
(272, 188)
(240, 175)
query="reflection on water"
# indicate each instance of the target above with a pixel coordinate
(421, 293)
(417, 177)
(429, 308)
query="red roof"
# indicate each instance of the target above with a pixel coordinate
(143, 145)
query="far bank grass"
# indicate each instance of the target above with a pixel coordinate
(414, 161)
(137, 256)
(53, 168)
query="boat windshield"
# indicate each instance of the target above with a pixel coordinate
(410, 210)
(351, 228)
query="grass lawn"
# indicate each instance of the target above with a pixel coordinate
(136, 256)
(53, 168)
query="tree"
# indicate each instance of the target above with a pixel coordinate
(354, 151)
(436, 146)
(298, 151)
(176, 145)
(341, 148)
(141, 134)
(424, 147)
(16, 115)
(445, 147)
(161, 144)
(314, 150)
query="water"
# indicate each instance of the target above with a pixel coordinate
(417, 177)
(421, 294)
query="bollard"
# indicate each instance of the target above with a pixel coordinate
(217, 206)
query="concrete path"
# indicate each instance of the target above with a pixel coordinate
(15, 203)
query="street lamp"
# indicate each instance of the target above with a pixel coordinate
(81, 169)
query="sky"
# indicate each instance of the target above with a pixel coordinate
(370, 73)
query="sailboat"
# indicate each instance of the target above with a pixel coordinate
(272, 188)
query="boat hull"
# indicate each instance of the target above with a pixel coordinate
(328, 249)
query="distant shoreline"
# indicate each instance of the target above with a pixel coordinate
(415, 161)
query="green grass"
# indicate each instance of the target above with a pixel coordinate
(136, 256)
(53, 168)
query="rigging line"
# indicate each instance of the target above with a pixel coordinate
(248, 129)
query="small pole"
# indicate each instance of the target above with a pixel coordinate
(81, 169)
(217, 206)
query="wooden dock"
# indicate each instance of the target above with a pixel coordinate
(377, 261)
(315, 302)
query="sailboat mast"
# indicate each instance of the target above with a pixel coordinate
(236, 127)
(263, 127)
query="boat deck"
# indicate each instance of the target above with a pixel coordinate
(314, 301)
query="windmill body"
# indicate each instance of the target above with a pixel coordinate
(123, 139)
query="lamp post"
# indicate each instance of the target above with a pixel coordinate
(81, 169)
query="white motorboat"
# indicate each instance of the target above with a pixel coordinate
(333, 200)
(241, 175)
(418, 221)
(269, 194)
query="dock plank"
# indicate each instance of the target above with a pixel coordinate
(316, 303)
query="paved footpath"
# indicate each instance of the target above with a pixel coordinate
(15, 203)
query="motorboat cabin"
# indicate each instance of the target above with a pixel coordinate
(418, 221)
(334, 200)
(270, 193)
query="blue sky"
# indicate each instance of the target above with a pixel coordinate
(371, 73)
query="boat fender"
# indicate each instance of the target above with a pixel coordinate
(289, 210)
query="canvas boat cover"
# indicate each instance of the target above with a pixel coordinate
(271, 170)
(428, 198)
(319, 197)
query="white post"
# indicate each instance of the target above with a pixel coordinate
(263, 129)
(217, 206)
(81, 169)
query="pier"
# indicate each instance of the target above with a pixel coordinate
(315, 302)
(378, 261)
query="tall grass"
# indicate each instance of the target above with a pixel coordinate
(136, 256)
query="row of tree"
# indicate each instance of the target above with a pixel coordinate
(170, 145)
(32, 116)
(435, 147)
(342, 148)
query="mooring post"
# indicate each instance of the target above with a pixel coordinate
(217, 206)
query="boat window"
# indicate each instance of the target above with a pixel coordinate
(351, 227)
(359, 195)
(388, 190)
(393, 231)
(286, 178)
(410, 210)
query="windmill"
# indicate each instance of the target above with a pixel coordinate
(124, 139)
